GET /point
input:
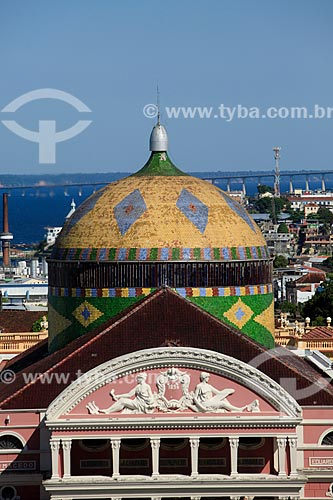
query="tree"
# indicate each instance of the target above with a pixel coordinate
(321, 305)
(38, 325)
(280, 261)
(328, 262)
(262, 189)
(324, 215)
(283, 228)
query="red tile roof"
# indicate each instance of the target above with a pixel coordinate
(320, 332)
(163, 318)
(12, 321)
(309, 278)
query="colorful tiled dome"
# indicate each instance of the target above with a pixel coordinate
(159, 227)
(164, 212)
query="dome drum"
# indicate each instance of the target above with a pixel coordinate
(156, 274)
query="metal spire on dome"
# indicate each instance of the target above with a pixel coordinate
(158, 138)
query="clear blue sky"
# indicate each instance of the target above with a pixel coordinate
(111, 54)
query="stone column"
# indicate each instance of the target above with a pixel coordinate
(293, 456)
(234, 441)
(281, 442)
(115, 445)
(155, 449)
(194, 443)
(66, 446)
(55, 446)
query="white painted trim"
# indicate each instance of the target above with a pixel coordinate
(10, 432)
(316, 421)
(300, 441)
(200, 359)
(327, 431)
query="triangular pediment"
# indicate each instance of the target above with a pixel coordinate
(181, 383)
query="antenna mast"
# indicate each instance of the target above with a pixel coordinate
(158, 104)
(277, 150)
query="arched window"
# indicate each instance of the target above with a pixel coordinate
(9, 442)
(251, 443)
(93, 445)
(8, 493)
(327, 440)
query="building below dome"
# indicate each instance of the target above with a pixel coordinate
(159, 227)
(164, 400)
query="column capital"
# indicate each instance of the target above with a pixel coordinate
(55, 444)
(66, 443)
(292, 442)
(115, 443)
(281, 441)
(155, 443)
(194, 442)
(234, 442)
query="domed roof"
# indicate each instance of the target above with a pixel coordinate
(160, 213)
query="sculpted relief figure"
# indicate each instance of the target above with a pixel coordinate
(207, 398)
(141, 399)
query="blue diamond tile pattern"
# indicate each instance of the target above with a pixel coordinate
(239, 210)
(193, 209)
(83, 209)
(86, 313)
(239, 313)
(129, 210)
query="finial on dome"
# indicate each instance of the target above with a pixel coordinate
(158, 137)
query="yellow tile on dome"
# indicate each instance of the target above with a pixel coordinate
(239, 314)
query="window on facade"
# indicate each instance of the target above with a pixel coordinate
(173, 443)
(8, 492)
(213, 443)
(134, 444)
(9, 442)
(327, 440)
(251, 443)
(92, 445)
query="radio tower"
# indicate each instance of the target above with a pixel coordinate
(277, 172)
